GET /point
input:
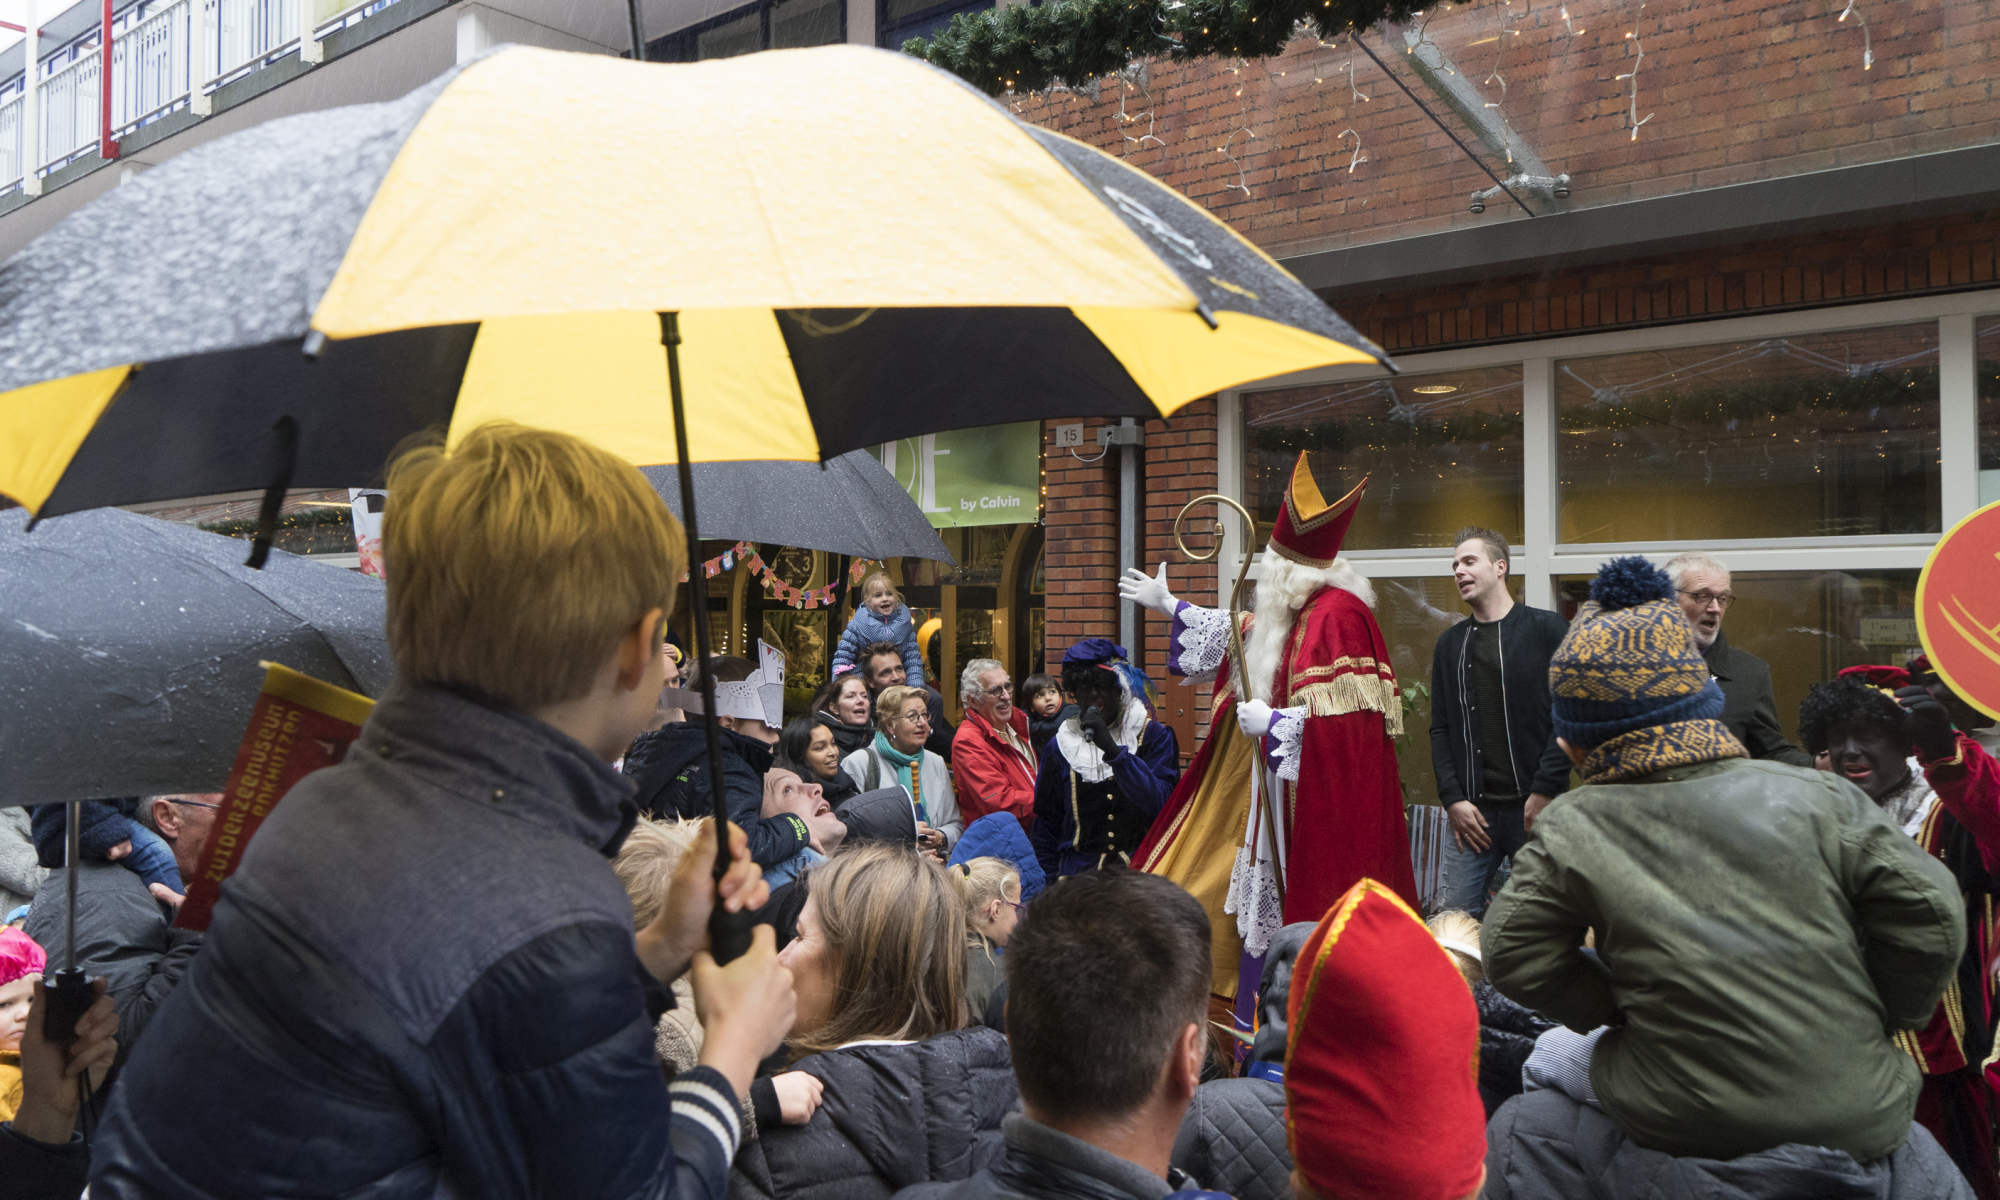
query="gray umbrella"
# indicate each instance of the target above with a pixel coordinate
(129, 650)
(847, 505)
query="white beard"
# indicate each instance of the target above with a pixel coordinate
(1283, 587)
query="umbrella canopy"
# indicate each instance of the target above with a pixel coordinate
(284, 304)
(129, 650)
(850, 505)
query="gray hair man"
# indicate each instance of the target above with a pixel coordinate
(1750, 709)
(993, 762)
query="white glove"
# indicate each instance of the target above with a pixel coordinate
(1254, 718)
(1147, 591)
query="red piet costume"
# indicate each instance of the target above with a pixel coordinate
(1382, 1066)
(1957, 1051)
(1327, 764)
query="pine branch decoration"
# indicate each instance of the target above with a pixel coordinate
(1030, 48)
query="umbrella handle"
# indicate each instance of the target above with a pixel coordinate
(729, 933)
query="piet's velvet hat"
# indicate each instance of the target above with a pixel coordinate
(1382, 1071)
(1309, 530)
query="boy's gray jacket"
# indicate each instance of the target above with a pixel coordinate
(1763, 931)
(421, 982)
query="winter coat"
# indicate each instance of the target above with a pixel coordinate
(996, 835)
(21, 874)
(669, 766)
(848, 737)
(989, 775)
(1507, 1034)
(1041, 1163)
(421, 981)
(1761, 929)
(1042, 730)
(1232, 1139)
(870, 770)
(105, 824)
(1528, 640)
(866, 628)
(1749, 706)
(983, 973)
(123, 934)
(892, 1114)
(39, 1171)
(1546, 1146)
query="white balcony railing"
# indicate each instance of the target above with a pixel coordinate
(157, 68)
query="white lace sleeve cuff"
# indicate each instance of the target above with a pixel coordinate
(1200, 641)
(1288, 730)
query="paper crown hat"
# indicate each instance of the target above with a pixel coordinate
(1309, 530)
(1382, 1068)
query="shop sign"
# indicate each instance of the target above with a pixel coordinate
(986, 476)
(1958, 609)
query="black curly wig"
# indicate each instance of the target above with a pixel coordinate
(1080, 677)
(1844, 701)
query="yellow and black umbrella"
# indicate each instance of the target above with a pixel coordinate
(858, 247)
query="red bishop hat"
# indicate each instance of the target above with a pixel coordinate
(1382, 1071)
(1309, 530)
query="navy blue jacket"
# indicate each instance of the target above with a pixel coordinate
(1143, 782)
(421, 981)
(670, 768)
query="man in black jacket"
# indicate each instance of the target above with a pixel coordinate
(1101, 1099)
(669, 766)
(423, 980)
(1749, 706)
(1493, 742)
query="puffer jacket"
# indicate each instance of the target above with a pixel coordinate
(1546, 1146)
(421, 982)
(1762, 929)
(669, 766)
(1232, 1139)
(1507, 1034)
(892, 1115)
(866, 628)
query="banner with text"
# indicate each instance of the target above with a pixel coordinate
(986, 476)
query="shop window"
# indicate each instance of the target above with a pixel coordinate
(804, 636)
(766, 25)
(1810, 624)
(1989, 409)
(901, 20)
(1440, 452)
(1815, 435)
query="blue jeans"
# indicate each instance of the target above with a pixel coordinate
(151, 859)
(1468, 873)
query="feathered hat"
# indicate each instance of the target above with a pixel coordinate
(1382, 1069)
(1309, 530)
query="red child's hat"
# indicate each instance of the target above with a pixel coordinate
(1309, 530)
(1382, 1071)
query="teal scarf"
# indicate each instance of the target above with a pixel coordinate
(901, 762)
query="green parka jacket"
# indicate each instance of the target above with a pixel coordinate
(1762, 929)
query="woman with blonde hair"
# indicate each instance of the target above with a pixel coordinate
(991, 889)
(898, 757)
(910, 1095)
(1507, 1031)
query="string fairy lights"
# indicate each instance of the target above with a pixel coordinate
(1126, 78)
(1867, 42)
(1242, 183)
(1357, 158)
(1633, 76)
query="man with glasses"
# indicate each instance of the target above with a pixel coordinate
(1750, 709)
(992, 757)
(124, 932)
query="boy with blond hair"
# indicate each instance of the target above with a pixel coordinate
(424, 977)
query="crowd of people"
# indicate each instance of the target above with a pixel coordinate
(1028, 955)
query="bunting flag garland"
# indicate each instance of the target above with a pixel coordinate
(777, 588)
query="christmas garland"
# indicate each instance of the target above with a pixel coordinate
(1027, 48)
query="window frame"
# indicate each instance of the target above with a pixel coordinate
(683, 42)
(1540, 559)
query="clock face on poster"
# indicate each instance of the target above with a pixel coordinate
(1958, 609)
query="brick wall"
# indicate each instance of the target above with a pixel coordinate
(1736, 90)
(1813, 271)
(1081, 517)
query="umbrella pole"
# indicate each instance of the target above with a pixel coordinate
(68, 991)
(728, 933)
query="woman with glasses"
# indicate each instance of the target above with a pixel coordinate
(993, 759)
(897, 758)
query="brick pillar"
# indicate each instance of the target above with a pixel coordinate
(1081, 554)
(1180, 465)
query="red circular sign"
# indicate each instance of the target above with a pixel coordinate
(1958, 609)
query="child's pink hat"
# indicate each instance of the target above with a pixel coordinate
(20, 956)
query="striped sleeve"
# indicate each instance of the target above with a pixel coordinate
(707, 1124)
